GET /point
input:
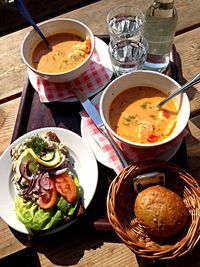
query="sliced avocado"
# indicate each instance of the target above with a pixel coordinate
(49, 156)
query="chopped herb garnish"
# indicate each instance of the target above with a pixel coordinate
(65, 61)
(152, 116)
(146, 105)
(39, 146)
(129, 119)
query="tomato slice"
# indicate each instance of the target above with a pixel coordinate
(166, 113)
(48, 198)
(66, 186)
(152, 137)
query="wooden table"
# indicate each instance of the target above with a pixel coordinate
(97, 248)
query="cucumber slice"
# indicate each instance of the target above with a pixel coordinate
(55, 158)
(49, 156)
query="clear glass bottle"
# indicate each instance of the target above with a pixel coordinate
(159, 31)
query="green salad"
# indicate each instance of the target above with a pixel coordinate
(48, 192)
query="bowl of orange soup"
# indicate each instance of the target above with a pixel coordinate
(72, 45)
(128, 109)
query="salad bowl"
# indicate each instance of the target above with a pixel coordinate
(79, 154)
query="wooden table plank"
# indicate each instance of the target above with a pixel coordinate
(8, 243)
(188, 13)
(188, 47)
(94, 251)
(13, 71)
(8, 113)
(193, 147)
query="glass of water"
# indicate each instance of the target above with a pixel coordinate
(125, 22)
(127, 55)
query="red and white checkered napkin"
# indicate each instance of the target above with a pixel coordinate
(133, 154)
(94, 77)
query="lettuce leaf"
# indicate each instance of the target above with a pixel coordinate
(34, 217)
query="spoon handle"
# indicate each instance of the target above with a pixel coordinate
(194, 81)
(24, 12)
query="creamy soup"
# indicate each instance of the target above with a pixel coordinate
(134, 116)
(68, 52)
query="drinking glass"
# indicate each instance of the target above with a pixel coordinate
(125, 22)
(127, 55)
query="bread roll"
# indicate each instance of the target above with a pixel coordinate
(160, 211)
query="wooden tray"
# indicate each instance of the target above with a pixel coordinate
(33, 114)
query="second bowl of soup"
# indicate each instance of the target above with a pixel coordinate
(72, 46)
(128, 109)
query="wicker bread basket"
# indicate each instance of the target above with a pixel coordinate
(120, 209)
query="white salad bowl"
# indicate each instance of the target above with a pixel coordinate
(79, 156)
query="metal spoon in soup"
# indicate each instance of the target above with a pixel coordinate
(194, 81)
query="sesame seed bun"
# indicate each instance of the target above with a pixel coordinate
(160, 211)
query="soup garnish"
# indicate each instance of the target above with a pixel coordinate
(134, 116)
(68, 51)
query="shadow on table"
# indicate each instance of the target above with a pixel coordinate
(68, 246)
(24, 258)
